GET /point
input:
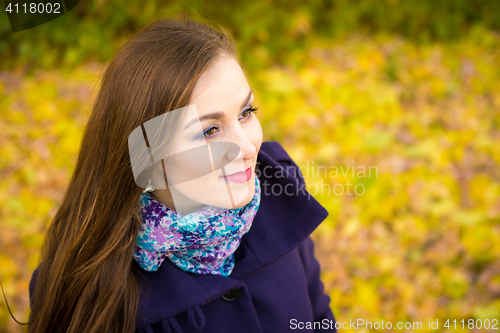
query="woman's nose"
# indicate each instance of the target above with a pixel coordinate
(243, 144)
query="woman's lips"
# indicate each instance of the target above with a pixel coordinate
(239, 177)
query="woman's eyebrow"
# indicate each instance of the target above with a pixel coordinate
(217, 114)
(248, 98)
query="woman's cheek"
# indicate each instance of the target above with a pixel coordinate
(256, 134)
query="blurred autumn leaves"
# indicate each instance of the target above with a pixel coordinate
(42, 121)
(423, 240)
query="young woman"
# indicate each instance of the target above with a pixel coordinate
(178, 218)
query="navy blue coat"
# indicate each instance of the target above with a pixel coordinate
(275, 285)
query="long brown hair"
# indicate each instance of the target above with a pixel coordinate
(86, 281)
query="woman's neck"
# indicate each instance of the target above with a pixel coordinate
(182, 204)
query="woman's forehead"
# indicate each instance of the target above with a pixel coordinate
(221, 87)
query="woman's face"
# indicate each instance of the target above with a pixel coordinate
(214, 152)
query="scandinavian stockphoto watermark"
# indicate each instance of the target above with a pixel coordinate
(324, 180)
(354, 325)
(365, 324)
(170, 152)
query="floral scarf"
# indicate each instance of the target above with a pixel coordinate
(202, 242)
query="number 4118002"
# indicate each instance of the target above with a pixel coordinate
(471, 324)
(35, 8)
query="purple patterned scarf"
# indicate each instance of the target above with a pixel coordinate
(202, 242)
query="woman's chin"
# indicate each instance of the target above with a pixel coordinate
(245, 196)
(219, 194)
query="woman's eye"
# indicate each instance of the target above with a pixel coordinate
(214, 129)
(247, 112)
(211, 131)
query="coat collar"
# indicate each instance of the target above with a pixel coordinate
(282, 222)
